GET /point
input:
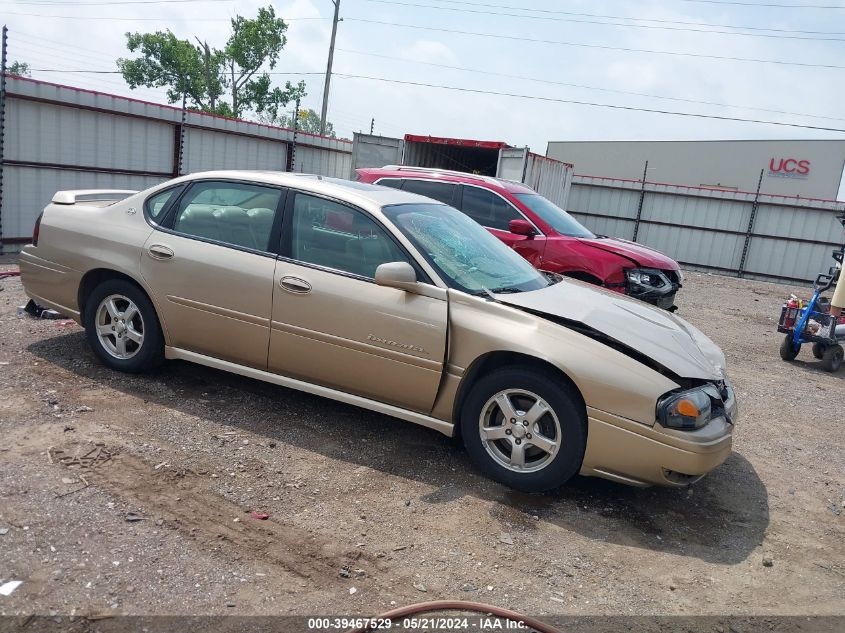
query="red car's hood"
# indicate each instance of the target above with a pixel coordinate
(637, 253)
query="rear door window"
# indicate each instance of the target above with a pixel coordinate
(488, 209)
(442, 191)
(234, 213)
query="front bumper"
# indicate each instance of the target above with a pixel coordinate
(629, 452)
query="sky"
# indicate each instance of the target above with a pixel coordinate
(524, 52)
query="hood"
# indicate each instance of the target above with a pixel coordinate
(637, 253)
(659, 335)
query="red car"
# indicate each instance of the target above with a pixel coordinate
(543, 233)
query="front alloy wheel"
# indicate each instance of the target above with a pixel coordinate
(520, 430)
(525, 427)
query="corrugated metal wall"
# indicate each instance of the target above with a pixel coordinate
(791, 238)
(209, 149)
(60, 137)
(311, 160)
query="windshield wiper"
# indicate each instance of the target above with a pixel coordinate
(506, 290)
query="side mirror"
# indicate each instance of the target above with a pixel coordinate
(396, 275)
(521, 227)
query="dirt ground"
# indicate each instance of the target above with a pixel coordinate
(395, 511)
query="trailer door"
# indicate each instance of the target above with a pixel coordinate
(512, 163)
(369, 150)
(551, 178)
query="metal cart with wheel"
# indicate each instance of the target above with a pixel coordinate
(826, 335)
(812, 324)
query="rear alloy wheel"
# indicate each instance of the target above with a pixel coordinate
(832, 359)
(524, 428)
(122, 327)
(788, 349)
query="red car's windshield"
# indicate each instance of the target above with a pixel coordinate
(553, 215)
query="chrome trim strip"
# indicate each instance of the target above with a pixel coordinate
(358, 346)
(444, 427)
(218, 311)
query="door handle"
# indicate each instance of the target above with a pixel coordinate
(295, 285)
(158, 251)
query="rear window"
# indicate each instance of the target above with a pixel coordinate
(440, 191)
(488, 209)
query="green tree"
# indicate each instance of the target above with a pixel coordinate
(205, 74)
(308, 121)
(21, 69)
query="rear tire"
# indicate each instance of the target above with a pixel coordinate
(524, 428)
(788, 349)
(818, 350)
(122, 327)
(832, 359)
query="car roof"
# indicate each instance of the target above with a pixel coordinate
(447, 175)
(349, 190)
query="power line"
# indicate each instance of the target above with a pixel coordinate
(126, 19)
(635, 19)
(587, 87)
(503, 36)
(769, 5)
(547, 18)
(588, 103)
(81, 4)
(117, 72)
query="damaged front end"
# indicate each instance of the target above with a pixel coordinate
(654, 286)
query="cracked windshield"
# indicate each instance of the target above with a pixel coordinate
(464, 254)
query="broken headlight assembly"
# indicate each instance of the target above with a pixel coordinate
(647, 279)
(688, 410)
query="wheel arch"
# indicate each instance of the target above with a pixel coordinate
(94, 277)
(491, 361)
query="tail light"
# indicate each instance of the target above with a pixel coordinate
(37, 229)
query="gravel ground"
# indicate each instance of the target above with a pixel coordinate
(367, 512)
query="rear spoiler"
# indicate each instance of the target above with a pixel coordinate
(91, 195)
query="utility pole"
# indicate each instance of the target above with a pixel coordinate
(372, 125)
(325, 109)
(640, 204)
(181, 154)
(292, 159)
(3, 62)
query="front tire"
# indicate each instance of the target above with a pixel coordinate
(122, 327)
(524, 428)
(788, 349)
(818, 350)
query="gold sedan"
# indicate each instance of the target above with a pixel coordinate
(392, 302)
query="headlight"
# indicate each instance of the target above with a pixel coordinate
(646, 277)
(688, 410)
